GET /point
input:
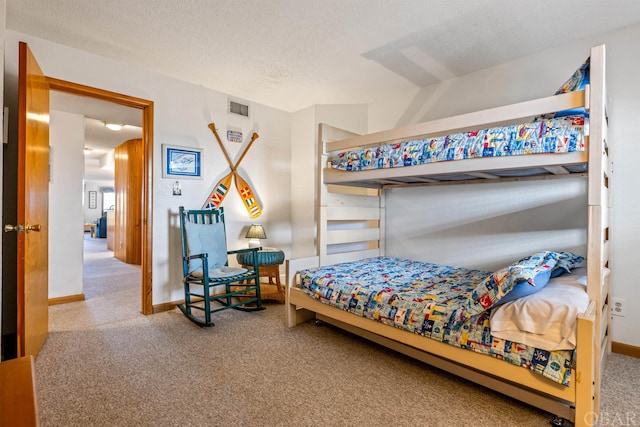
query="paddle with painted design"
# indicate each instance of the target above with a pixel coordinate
(249, 199)
(222, 187)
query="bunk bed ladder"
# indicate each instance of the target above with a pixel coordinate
(350, 219)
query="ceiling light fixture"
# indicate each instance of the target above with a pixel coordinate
(113, 126)
(87, 150)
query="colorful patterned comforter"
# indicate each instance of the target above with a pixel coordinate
(555, 135)
(426, 299)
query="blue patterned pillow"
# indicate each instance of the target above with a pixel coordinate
(578, 80)
(566, 261)
(528, 271)
(523, 289)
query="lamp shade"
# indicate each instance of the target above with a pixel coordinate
(256, 232)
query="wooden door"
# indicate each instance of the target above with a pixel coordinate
(33, 204)
(128, 167)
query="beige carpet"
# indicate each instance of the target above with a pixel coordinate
(104, 364)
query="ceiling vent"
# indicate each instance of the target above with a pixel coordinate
(239, 107)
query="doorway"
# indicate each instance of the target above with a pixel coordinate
(146, 108)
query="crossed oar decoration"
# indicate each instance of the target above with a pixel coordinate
(221, 189)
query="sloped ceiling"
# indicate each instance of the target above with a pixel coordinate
(290, 54)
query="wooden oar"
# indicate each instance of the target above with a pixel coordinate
(255, 136)
(222, 187)
(249, 199)
(251, 203)
(219, 192)
(212, 126)
(244, 153)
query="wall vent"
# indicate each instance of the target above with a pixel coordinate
(239, 107)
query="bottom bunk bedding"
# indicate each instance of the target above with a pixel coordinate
(449, 304)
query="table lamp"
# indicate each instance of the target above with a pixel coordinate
(255, 233)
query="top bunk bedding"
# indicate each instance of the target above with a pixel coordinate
(556, 135)
(454, 305)
(547, 136)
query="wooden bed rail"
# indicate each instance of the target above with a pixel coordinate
(466, 122)
(421, 174)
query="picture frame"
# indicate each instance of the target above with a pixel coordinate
(93, 198)
(181, 162)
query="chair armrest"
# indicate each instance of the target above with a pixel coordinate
(244, 251)
(254, 251)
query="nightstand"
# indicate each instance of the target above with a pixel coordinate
(269, 260)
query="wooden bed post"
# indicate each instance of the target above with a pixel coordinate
(598, 248)
(585, 379)
(295, 314)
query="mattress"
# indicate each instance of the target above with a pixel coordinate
(426, 299)
(543, 136)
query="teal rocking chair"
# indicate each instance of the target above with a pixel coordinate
(210, 285)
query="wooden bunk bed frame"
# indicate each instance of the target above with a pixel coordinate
(358, 198)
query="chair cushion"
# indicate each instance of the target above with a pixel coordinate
(209, 239)
(221, 272)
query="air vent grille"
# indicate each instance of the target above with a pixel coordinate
(236, 107)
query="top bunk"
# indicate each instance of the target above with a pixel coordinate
(556, 136)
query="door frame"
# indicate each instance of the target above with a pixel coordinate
(147, 184)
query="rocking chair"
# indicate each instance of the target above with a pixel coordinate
(210, 285)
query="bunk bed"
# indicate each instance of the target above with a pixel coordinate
(347, 197)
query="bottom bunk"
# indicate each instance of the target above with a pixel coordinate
(317, 293)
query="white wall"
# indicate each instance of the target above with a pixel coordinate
(449, 223)
(66, 139)
(182, 113)
(303, 167)
(486, 226)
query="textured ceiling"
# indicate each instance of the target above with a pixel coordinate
(291, 54)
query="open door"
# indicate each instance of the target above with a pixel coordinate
(33, 205)
(33, 196)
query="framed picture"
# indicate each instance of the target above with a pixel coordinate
(181, 162)
(93, 197)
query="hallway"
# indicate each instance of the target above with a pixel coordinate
(111, 289)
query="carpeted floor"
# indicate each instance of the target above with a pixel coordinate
(104, 364)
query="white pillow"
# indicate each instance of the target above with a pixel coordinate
(546, 319)
(209, 239)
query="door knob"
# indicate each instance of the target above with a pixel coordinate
(17, 228)
(20, 228)
(34, 227)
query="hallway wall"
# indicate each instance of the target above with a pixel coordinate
(66, 139)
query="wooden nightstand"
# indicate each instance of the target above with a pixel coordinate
(269, 260)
